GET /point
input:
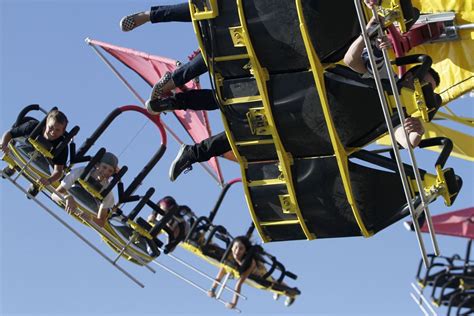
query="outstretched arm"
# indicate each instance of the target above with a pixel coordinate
(238, 284)
(70, 204)
(56, 175)
(414, 129)
(7, 136)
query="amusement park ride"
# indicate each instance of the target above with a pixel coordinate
(301, 126)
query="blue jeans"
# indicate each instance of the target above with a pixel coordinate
(170, 13)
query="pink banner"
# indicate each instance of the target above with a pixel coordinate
(151, 68)
(458, 223)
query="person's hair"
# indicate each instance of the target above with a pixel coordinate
(244, 240)
(58, 117)
(431, 71)
(110, 159)
(248, 255)
(168, 201)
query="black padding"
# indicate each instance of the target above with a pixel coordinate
(276, 36)
(85, 198)
(127, 233)
(143, 223)
(296, 107)
(323, 202)
(26, 150)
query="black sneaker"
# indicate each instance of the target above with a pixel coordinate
(157, 91)
(157, 106)
(33, 191)
(180, 163)
(289, 301)
(7, 171)
(130, 22)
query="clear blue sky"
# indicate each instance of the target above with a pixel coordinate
(45, 270)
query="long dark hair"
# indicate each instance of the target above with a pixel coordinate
(249, 253)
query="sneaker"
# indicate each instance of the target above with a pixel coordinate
(33, 191)
(157, 106)
(152, 251)
(180, 163)
(289, 301)
(157, 91)
(130, 22)
(7, 171)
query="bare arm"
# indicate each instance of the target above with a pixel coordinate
(102, 215)
(238, 284)
(414, 129)
(353, 56)
(6, 137)
(219, 276)
(70, 204)
(56, 175)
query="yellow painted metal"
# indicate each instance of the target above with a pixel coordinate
(236, 34)
(392, 12)
(242, 100)
(40, 148)
(193, 10)
(282, 222)
(140, 230)
(90, 189)
(261, 77)
(31, 171)
(255, 142)
(260, 183)
(285, 201)
(231, 57)
(207, 13)
(243, 166)
(341, 155)
(414, 101)
(442, 185)
(258, 122)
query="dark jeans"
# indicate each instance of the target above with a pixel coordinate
(213, 146)
(170, 13)
(179, 13)
(189, 71)
(195, 100)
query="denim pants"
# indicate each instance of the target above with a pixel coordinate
(170, 13)
(213, 146)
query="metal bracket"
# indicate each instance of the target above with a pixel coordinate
(447, 18)
(40, 148)
(90, 189)
(237, 36)
(414, 100)
(286, 204)
(258, 122)
(211, 10)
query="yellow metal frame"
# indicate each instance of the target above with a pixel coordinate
(32, 173)
(392, 11)
(40, 148)
(261, 76)
(208, 13)
(340, 152)
(90, 189)
(235, 274)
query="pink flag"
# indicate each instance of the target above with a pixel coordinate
(458, 223)
(151, 68)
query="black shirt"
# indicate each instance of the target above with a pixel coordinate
(25, 129)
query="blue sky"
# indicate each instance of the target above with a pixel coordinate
(45, 270)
